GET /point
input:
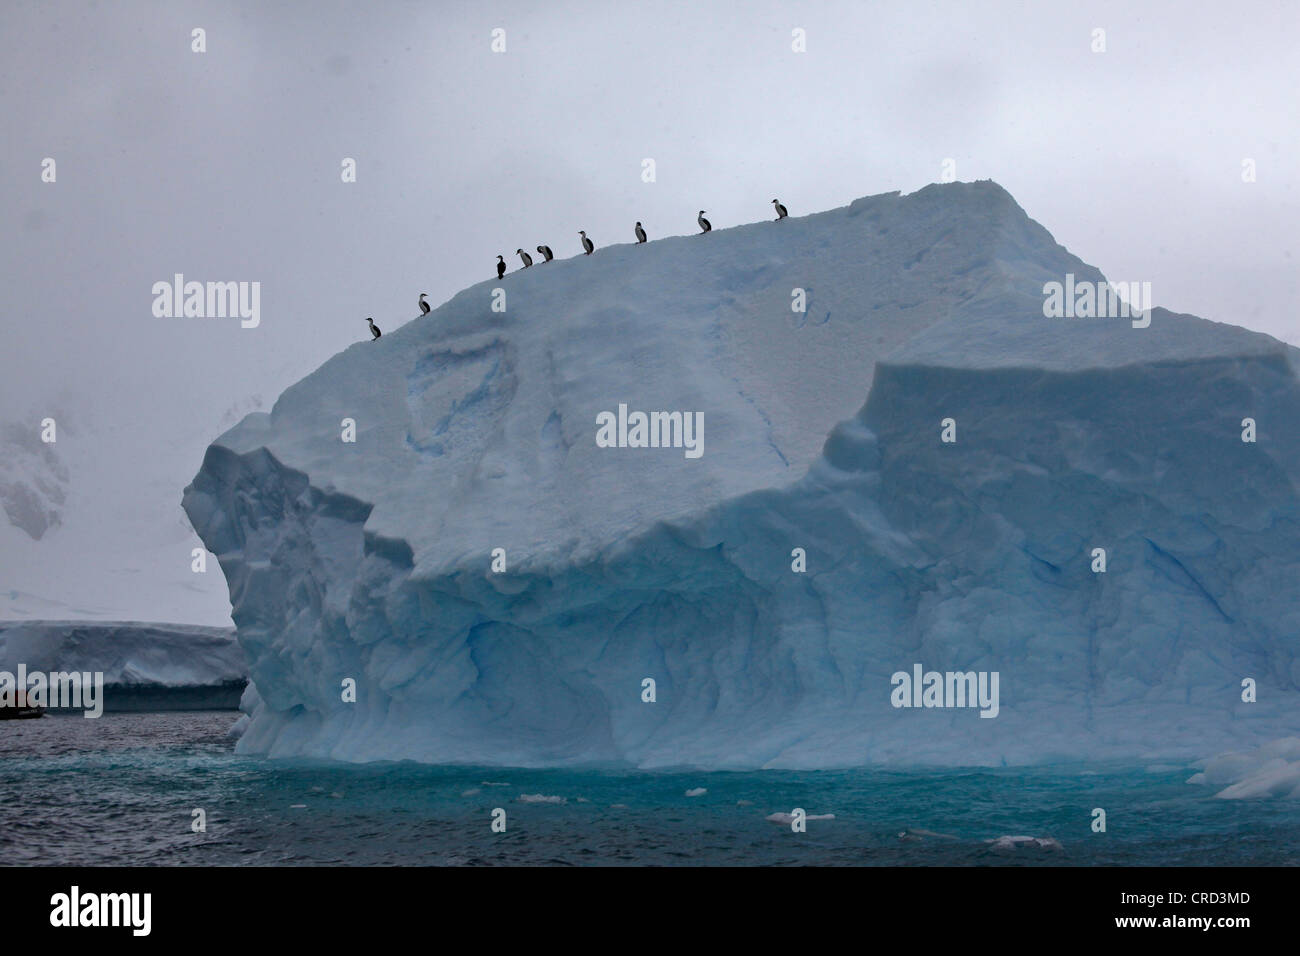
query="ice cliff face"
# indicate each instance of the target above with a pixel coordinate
(476, 430)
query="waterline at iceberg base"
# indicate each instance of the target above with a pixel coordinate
(476, 431)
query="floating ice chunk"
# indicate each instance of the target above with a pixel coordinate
(1277, 778)
(1024, 842)
(788, 818)
(697, 791)
(1271, 770)
(918, 833)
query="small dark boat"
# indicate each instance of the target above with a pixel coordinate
(21, 710)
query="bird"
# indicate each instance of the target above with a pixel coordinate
(374, 329)
(704, 223)
(640, 233)
(546, 251)
(501, 266)
(528, 260)
(424, 306)
(587, 244)
(780, 210)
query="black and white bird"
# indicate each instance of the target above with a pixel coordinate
(501, 266)
(780, 210)
(374, 329)
(640, 233)
(546, 253)
(528, 260)
(587, 244)
(704, 223)
(424, 306)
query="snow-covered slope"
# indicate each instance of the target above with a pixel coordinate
(145, 666)
(476, 430)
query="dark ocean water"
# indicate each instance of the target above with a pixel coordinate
(121, 790)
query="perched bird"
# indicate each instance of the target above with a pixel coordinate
(501, 266)
(704, 223)
(640, 233)
(587, 244)
(374, 329)
(528, 260)
(780, 210)
(424, 306)
(546, 252)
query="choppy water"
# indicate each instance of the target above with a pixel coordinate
(121, 790)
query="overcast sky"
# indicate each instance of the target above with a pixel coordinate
(225, 165)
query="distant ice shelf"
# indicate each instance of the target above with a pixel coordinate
(146, 666)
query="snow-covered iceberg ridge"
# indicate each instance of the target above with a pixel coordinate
(476, 431)
(145, 666)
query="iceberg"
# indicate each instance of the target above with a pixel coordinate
(431, 557)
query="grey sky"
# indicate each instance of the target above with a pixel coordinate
(225, 165)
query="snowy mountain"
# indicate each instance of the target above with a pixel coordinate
(481, 428)
(90, 526)
(33, 481)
